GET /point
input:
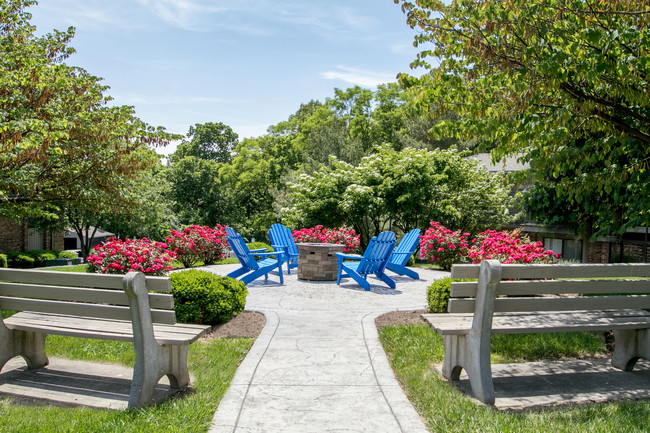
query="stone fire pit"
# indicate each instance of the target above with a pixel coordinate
(318, 262)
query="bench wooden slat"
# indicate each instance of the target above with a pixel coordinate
(541, 298)
(158, 284)
(571, 321)
(541, 271)
(90, 327)
(502, 305)
(550, 287)
(79, 309)
(76, 294)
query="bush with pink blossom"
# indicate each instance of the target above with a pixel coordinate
(340, 235)
(119, 257)
(198, 244)
(509, 247)
(443, 247)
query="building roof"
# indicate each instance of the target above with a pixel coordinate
(507, 165)
(70, 233)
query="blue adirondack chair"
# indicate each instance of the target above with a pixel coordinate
(373, 261)
(282, 239)
(403, 252)
(251, 269)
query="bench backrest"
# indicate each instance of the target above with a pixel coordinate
(78, 294)
(565, 287)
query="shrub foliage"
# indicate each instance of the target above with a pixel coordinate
(205, 298)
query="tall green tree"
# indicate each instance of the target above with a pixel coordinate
(403, 190)
(249, 181)
(562, 83)
(59, 141)
(196, 191)
(213, 141)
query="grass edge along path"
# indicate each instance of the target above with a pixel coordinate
(212, 364)
(413, 349)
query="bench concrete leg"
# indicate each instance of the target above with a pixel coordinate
(463, 352)
(29, 345)
(152, 365)
(630, 345)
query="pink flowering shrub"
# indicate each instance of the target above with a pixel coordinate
(442, 246)
(194, 244)
(119, 257)
(318, 234)
(509, 247)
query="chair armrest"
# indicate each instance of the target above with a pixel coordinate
(274, 253)
(349, 256)
(260, 250)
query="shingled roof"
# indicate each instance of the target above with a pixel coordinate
(507, 165)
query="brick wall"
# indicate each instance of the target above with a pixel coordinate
(599, 252)
(13, 236)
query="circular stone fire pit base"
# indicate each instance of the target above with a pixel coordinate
(318, 262)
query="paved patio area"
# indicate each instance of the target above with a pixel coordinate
(318, 365)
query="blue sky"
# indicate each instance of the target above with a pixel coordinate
(246, 63)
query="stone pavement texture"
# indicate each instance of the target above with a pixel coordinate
(318, 365)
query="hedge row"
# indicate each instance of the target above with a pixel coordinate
(32, 258)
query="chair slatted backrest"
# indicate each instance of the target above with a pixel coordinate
(240, 249)
(87, 295)
(377, 253)
(406, 247)
(282, 236)
(564, 287)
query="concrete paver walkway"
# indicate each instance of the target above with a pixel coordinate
(318, 365)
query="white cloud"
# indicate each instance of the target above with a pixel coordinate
(359, 77)
(186, 14)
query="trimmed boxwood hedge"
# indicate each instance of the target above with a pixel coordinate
(206, 298)
(438, 294)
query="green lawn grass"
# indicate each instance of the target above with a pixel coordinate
(212, 364)
(413, 349)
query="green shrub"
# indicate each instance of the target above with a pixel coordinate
(438, 295)
(205, 298)
(40, 256)
(19, 259)
(258, 246)
(3, 261)
(68, 255)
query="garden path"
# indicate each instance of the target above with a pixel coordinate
(318, 365)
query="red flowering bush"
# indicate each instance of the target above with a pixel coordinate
(119, 257)
(196, 243)
(509, 247)
(442, 246)
(318, 234)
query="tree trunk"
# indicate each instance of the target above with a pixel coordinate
(586, 240)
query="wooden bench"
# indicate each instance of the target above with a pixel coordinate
(513, 299)
(105, 307)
